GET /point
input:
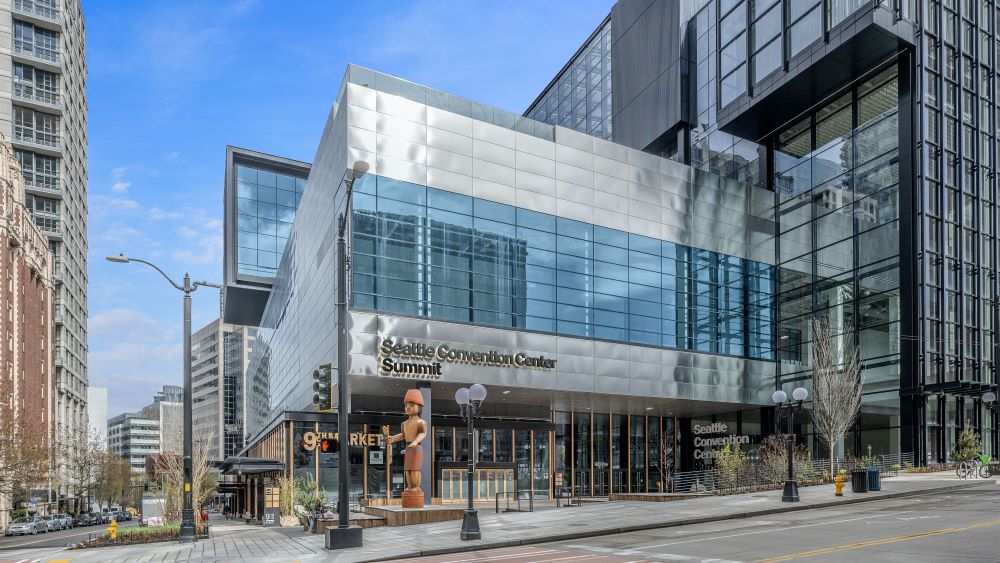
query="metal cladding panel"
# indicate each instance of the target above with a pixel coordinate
(649, 70)
(582, 365)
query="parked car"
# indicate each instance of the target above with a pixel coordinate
(85, 519)
(105, 517)
(25, 525)
(65, 520)
(51, 524)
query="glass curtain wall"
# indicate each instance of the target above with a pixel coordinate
(837, 190)
(430, 253)
(957, 107)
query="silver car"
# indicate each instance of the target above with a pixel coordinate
(65, 520)
(52, 524)
(25, 525)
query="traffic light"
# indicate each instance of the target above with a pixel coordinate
(323, 398)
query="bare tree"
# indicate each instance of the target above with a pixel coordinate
(836, 382)
(25, 458)
(81, 457)
(203, 481)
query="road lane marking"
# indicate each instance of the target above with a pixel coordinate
(883, 541)
(865, 517)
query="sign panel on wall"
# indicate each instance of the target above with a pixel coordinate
(417, 360)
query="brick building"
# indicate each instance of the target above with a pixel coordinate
(27, 353)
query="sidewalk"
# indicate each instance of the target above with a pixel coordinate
(249, 543)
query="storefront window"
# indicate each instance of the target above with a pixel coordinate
(328, 468)
(303, 459)
(376, 468)
(444, 441)
(637, 437)
(486, 444)
(619, 453)
(541, 449)
(563, 445)
(581, 452)
(602, 445)
(522, 462)
(504, 446)
(654, 447)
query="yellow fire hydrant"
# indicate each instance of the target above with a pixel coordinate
(839, 483)
(113, 529)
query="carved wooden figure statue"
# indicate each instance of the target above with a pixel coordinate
(414, 430)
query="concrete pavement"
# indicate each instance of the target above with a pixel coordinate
(232, 541)
(959, 525)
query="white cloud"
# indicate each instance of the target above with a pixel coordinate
(157, 214)
(187, 232)
(206, 250)
(121, 187)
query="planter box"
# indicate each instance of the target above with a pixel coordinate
(859, 481)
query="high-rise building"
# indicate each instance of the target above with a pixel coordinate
(97, 413)
(44, 111)
(219, 355)
(855, 115)
(28, 384)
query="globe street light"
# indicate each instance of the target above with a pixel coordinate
(470, 402)
(990, 398)
(187, 533)
(781, 402)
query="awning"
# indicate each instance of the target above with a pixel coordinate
(235, 465)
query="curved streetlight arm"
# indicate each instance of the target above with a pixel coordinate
(157, 268)
(199, 283)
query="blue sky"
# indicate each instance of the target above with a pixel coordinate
(171, 83)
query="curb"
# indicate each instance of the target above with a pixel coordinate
(676, 523)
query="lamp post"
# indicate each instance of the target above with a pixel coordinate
(346, 536)
(990, 400)
(470, 402)
(781, 402)
(188, 533)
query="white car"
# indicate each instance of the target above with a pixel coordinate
(25, 525)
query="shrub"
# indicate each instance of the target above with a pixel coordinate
(731, 463)
(968, 447)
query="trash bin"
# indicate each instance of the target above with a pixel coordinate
(874, 479)
(859, 481)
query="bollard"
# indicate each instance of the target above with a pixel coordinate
(113, 529)
(839, 483)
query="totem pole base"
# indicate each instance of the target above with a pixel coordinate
(413, 499)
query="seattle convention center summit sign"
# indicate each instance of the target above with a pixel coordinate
(418, 360)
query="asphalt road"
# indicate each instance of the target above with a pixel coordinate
(54, 539)
(961, 525)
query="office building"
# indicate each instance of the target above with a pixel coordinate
(219, 354)
(155, 429)
(44, 113)
(133, 436)
(97, 413)
(623, 286)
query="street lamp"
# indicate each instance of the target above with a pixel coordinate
(781, 402)
(470, 402)
(188, 533)
(990, 399)
(345, 535)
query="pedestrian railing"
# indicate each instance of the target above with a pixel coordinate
(757, 476)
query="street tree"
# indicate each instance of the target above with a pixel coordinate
(203, 481)
(25, 456)
(81, 457)
(836, 366)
